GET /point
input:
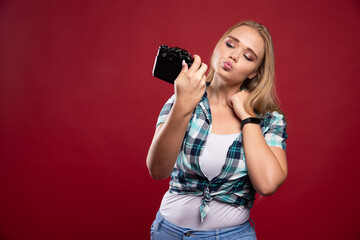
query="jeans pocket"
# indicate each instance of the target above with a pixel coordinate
(152, 229)
(155, 226)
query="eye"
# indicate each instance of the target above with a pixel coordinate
(229, 45)
(248, 58)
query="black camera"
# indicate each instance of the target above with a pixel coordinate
(168, 62)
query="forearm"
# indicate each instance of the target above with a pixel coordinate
(166, 143)
(189, 88)
(264, 168)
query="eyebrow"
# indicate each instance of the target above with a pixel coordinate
(247, 48)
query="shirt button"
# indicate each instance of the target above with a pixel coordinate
(188, 234)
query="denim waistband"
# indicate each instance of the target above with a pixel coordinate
(179, 232)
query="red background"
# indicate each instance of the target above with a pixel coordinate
(78, 107)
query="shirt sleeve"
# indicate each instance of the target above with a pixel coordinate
(276, 135)
(164, 113)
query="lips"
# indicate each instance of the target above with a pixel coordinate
(227, 65)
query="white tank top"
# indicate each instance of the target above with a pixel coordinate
(214, 153)
(184, 210)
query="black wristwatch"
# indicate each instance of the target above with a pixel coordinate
(250, 120)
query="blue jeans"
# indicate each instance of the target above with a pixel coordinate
(162, 229)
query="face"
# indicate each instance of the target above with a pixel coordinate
(238, 55)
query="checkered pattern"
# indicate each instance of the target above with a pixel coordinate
(232, 185)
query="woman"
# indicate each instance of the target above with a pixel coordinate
(205, 132)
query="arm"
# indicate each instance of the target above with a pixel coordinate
(266, 165)
(164, 149)
(166, 144)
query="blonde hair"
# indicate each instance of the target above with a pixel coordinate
(263, 97)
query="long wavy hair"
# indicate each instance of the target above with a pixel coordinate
(262, 92)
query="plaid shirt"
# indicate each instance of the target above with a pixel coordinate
(232, 185)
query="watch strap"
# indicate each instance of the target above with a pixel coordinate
(253, 120)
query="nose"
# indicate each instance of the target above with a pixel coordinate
(235, 54)
(232, 57)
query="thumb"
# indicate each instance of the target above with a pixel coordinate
(184, 69)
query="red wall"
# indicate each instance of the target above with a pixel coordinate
(78, 107)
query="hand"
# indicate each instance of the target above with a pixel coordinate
(190, 85)
(237, 103)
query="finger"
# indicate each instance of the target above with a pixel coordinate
(184, 69)
(203, 81)
(200, 74)
(245, 92)
(196, 64)
(202, 70)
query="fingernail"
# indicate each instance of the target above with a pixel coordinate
(183, 63)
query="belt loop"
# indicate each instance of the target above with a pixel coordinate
(159, 220)
(217, 234)
(251, 221)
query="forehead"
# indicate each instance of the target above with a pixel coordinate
(250, 38)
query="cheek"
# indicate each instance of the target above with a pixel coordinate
(216, 59)
(249, 69)
(244, 72)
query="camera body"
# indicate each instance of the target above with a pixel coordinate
(168, 62)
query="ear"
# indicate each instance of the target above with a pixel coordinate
(251, 76)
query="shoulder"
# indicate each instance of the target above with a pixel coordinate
(168, 104)
(165, 110)
(273, 118)
(171, 99)
(273, 126)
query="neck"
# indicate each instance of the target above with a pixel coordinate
(221, 91)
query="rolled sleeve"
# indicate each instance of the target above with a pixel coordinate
(276, 135)
(164, 113)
